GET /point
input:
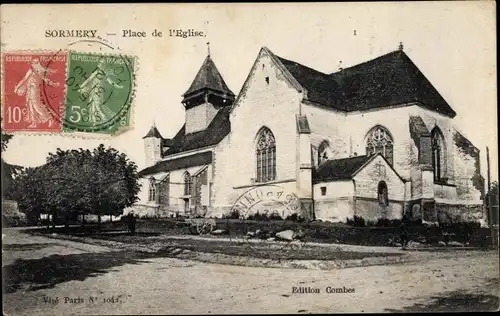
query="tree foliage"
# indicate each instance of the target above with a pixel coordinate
(5, 140)
(100, 182)
(9, 171)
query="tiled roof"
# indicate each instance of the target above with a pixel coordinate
(320, 87)
(153, 132)
(339, 169)
(208, 77)
(212, 135)
(199, 159)
(390, 79)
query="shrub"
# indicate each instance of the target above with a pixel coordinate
(296, 218)
(235, 214)
(385, 222)
(356, 221)
(461, 230)
(275, 217)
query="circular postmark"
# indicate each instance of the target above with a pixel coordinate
(264, 224)
(99, 89)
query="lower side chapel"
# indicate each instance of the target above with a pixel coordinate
(375, 140)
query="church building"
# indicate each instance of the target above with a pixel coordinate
(374, 140)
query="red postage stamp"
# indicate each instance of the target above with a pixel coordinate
(33, 88)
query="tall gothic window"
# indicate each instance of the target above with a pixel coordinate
(266, 156)
(187, 183)
(152, 190)
(438, 154)
(323, 152)
(379, 140)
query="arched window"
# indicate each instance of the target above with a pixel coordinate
(383, 198)
(152, 190)
(266, 156)
(379, 140)
(323, 152)
(438, 154)
(187, 183)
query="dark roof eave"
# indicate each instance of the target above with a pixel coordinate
(198, 159)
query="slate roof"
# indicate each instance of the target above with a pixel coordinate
(387, 80)
(199, 159)
(153, 132)
(320, 87)
(339, 169)
(212, 135)
(208, 77)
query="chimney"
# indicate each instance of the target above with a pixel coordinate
(340, 66)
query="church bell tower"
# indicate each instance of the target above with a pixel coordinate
(152, 146)
(205, 97)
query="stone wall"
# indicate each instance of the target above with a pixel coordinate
(452, 213)
(267, 99)
(368, 179)
(334, 209)
(198, 117)
(370, 209)
(468, 179)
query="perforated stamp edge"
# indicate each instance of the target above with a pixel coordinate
(75, 133)
(131, 108)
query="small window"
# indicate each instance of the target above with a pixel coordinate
(323, 190)
(267, 80)
(187, 183)
(323, 152)
(382, 192)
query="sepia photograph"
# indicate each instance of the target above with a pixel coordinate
(249, 158)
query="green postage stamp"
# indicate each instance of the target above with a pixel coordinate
(99, 92)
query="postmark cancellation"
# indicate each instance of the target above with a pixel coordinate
(66, 92)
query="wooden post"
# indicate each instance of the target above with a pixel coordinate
(489, 186)
(491, 224)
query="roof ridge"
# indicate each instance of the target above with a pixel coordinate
(153, 132)
(392, 53)
(302, 65)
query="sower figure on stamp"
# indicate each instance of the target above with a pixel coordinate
(31, 87)
(93, 90)
(131, 220)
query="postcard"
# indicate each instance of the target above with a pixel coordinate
(249, 158)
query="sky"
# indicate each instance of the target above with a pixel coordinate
(452, 43)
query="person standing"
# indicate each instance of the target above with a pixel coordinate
(405, 232)
(131, 220)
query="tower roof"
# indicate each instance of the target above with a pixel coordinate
(208, 77)
(153, 132)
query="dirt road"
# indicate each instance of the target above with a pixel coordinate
(44, 276)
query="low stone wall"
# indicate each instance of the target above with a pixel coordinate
(468, 213)
(372, 210)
